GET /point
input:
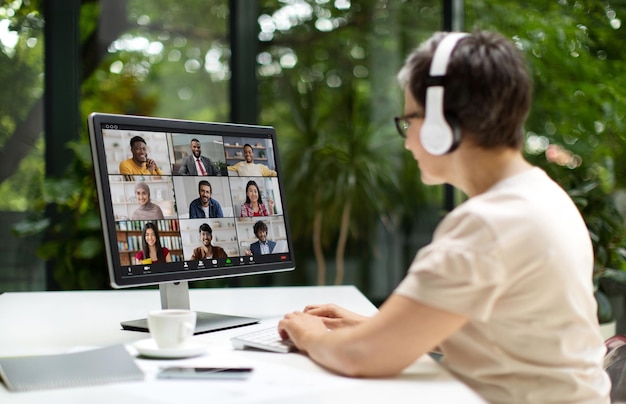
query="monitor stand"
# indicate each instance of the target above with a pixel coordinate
(176, 296)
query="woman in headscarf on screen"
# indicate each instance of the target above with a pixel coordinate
(146, 210)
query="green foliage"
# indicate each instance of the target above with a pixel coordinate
(605, 309)
(333, 108)
(331, 94)
(576, 60)
(73, 238)
(606, 229)
(188, 78)
(22, 85)
(576, 64)
(19, 190)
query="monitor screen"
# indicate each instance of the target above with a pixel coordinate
(187, 200)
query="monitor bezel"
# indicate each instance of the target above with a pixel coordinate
(96, 121)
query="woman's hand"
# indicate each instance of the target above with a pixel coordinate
(334, 316)
(300, 327)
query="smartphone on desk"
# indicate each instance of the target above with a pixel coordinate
(182, 372)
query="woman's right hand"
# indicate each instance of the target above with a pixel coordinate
(334, 316)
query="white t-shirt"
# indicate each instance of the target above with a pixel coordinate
(517, 261)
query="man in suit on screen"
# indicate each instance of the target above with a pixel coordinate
(196, 164)
(263, 246)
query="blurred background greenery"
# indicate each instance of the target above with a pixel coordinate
(323, 74)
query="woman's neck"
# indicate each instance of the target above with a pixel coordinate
(477, 170)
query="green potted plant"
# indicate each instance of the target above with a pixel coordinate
(223, 167)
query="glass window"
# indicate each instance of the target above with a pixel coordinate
(327, 72)
(162, 58)
(575, 130)
(21, 140)
(326, 75)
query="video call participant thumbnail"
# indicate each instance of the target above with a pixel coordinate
(205, 206)
(147, 210)
(248, 168)
(196, 164)
(254, 206)
(152, 251)
(263, 246)
(207, 250)
(139, 163)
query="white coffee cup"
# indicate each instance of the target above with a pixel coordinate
(171, 328)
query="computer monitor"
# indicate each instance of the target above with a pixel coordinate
(186, 200)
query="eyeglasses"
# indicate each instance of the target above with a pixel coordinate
(403, 122)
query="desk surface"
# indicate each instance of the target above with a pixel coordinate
(58, 322)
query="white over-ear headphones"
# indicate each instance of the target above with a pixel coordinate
(438, 135)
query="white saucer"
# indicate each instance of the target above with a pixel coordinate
(148, 348)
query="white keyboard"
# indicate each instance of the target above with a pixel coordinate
(266, 339)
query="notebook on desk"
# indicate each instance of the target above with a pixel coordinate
(97, 366)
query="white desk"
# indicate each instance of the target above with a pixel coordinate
(58, 322)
